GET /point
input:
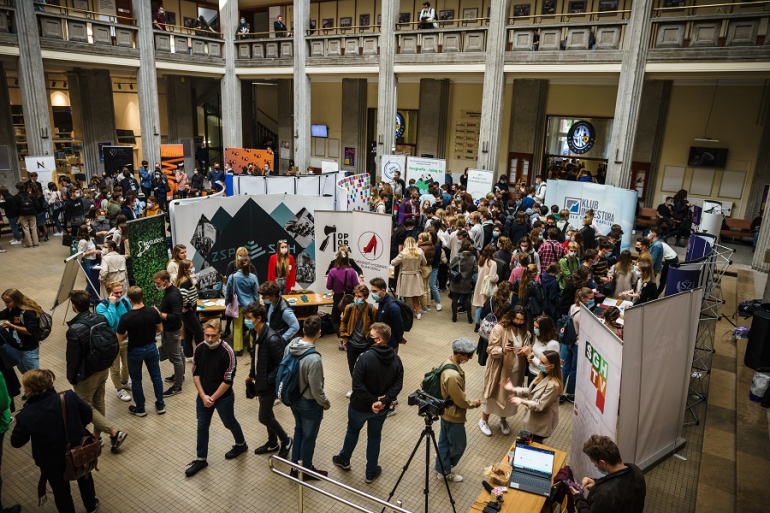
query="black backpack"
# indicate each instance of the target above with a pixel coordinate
(26, 205)
(566, 329)
(407, 314)
(103, 345)
(132, 185)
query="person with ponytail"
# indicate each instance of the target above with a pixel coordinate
(22, 315)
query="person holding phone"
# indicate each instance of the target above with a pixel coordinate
(541, 398)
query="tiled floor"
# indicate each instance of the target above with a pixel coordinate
(148, 475)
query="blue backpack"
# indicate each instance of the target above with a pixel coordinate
(287, 379)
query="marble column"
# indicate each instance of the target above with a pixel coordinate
(8, 177)
(302, 104)
(97, 115)
(494, 86)
(433, 117)
(232, 133)
(147, 83)
(763, 244)
(354, 122)
(285, 121)
(528, 118)
(762, 166)
(387, 86)
(180, 112)
(34, 99)
(630, 85)
(650, 130)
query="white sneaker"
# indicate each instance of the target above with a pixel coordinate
(15, 242)
(123, 395)
(484, 427)
(58, 234)
(350, 392)
(438, 307)
(419, 316)
(506, 430)
(126, 386)
(455, 478)
(189, 360)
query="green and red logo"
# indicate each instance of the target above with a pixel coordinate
(599, 371)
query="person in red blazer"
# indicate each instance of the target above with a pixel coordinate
(281, 268)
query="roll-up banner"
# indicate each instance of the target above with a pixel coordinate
(425, 171)
(480, 183)
(149, 253)
(44, 167)
(391, 164)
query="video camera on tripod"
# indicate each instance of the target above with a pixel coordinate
(428, 405)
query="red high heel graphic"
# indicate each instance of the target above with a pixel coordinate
(372, 246)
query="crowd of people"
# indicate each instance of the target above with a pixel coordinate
(513, 266)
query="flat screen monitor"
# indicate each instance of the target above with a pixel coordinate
(707, 157)
(319, 130)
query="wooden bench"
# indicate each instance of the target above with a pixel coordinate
(737, 228)
(647, 217)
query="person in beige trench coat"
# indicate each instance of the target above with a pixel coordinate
(410, 283)
(487, 268)
(507, 362)
(541, 398)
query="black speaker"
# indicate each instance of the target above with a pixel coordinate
(758, 349)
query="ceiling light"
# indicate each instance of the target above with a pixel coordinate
(706, 139)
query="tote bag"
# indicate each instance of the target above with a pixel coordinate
(231, 310)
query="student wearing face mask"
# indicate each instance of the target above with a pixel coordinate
(280, 316)
(525, 246)
(623, 274)
(100, 227)
(546, 338)
(281, 268)
(232, 268)
(74, 212)
(152, 208)
(160, 188)
(197, 180)
(340, 280)
(243, 286)
(113, 268)
(171, 315)
(649, 290)
(569, 355)
(569, 264)
(356, 322)
(145, 179)
(541, 398)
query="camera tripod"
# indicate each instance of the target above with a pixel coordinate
(426, 434)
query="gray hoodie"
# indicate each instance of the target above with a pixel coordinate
(311, 371)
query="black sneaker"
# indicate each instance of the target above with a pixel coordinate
(96, 507)
(16, 508)
(570, 398)
(285, 447)
(133, 410)
(562, 399)
(268, 447)
(195, 466)
(377, 472)
(236, 451)
(308, 477)
(341, 464)
(117, 441)
(171, 379)
(172, 391)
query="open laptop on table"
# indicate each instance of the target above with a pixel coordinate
(532, 470)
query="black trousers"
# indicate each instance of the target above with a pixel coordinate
(62, 493)
(193, 331)
(466, 304)
(336, 313)
(664, 273)
(353, 354)
(275, 432)
(443, 276)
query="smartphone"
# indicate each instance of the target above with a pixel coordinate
(573, 484)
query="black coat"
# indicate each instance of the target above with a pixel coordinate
(78, 340)
(623, 491)
(269, 347)
(377, 372)
(30, 320)
(41, 421)
(517, 231)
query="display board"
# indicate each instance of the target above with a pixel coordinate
(149, 253)
(597, 390)
(171, 155)
(732, 184)
(702, 181)
(44, 167)
(357, 191)
(480, 182)
(214, 228)
(466, 143)
(322, 185)
(673, 178)
(240, 158)
(391, 164)
(611, 205)
(366, 234)
(69, 276)
(117, 157)
(425, 171)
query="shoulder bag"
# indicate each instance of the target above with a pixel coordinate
(231, 310)
(347, 297)
(81, 460)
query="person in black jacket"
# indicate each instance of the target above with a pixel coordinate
(74, 211)
(41, 422)
(28, 207)
(265, 359)
(279, 27)
(171, 314)
(89, 384)
(9, 204)
(378, 377)
(22, 314)
(621, 489)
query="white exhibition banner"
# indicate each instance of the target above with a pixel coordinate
(44, 167)
(391, 164)
(425, 171)
(659, 343)
(367, 235)
(597, 390)
(480, 183)
(329, 166)
(321, 185)
(611, 205)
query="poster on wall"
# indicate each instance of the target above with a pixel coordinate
(171, 155)
(116, 157)
(213, 229)
(425, 171)
(480, 182)
(466, 143)
(358, 191)
(366, 234)
(391, 164)
(147, 245)
(611, 205)
(597, 389)
(44, 167)
(350, 157)
(240, 158)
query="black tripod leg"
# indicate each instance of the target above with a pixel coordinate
(408, 462)
(443, 471)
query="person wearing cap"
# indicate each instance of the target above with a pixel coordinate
(451, 440)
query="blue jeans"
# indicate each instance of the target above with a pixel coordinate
(225, 406)
(756, 237)
(87, 264)
(29, 360)
(356, 421)
(308, 415)
(433, 282)
(569, 369)
(55, 215)
(14, 222)
(147, 355)
(451, 446)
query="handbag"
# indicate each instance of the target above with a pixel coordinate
(251, 390)
(489, 322)
(487, 287)
(81, 460)
(231, 310)
(346, 298)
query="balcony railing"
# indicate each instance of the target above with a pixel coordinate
(547, 37)
(78, 28)
(448, 36)
(7, 20)
(263, 49)
(347, 46)
(191, 42)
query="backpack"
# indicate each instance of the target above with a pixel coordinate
(44, 326)
(132, 185)
(566, 328)
(431, 382)
(407, 314)
(287, 379)
(103, 345)
(26, 205)
(489, 322)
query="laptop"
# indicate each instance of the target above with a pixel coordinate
(532, 470)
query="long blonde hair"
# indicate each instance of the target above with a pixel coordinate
(237, 251)
(281, 261)
(185, 268)
(22, 302)
(411, 250)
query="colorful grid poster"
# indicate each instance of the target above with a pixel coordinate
(358, 190)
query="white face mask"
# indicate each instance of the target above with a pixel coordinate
(284, 251)
(572, 254)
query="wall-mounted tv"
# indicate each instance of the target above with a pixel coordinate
(319, 130)
(707, 157)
